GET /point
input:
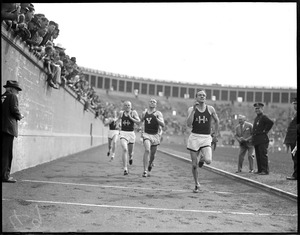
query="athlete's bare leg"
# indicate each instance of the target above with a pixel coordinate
(124, 146)
(147, 146)
(194, 156)
(152, 154)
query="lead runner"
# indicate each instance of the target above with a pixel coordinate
(199, 119)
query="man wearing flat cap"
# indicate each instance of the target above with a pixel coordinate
(291, 140)
(10, 116)
(261, 127)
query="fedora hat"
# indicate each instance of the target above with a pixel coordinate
(12, 83)
(59, 46)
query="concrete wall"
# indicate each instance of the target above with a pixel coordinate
(55, 123)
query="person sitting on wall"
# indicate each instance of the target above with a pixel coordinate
(47, 58)
(10, 12)
(48, 37)
(13, 15)
(36, 40)
(33, 27)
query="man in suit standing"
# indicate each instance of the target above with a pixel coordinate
(262, 125)
(291, 140)
(243, 134)
(10, 116)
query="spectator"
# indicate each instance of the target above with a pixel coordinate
(10, 116)
(28, 10)
(48, 63)
(10, 11)
(33, 27)
(294, 150)
(44, 22)
(14, 17)
(262, 125)
(57, 64)
(291, 139)
(48, 37)
(37, 39)
(55, 34)
(243, 134)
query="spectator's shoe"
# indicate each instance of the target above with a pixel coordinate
(263, 173)
(130, 161)
(9, 180)
(200, 164)
(257, 172)
(145, 174)
(126, 172)
(238, 172)
(291, 178)
(150, 167)
(197, 188)
(53, 85)
(251, 171)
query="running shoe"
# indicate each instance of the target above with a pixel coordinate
(108, 153)
(145, 174)
(200, 164)
(126, 172)
(197, 188)
(130, 161)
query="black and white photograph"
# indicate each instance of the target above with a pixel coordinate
(149, 117)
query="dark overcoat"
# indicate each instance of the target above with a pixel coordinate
(261, 126)
(10, 113)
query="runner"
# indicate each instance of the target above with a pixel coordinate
(151, 134)
(127, 117)
(199, 119)
(113, 133)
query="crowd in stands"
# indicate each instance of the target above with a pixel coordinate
(39, 33)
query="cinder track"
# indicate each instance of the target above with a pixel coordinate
(86, 192)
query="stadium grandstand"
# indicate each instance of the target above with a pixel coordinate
(215, 92)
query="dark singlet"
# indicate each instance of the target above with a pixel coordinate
(127, 123)
(202, 122)
(113, 125)
(151, 124)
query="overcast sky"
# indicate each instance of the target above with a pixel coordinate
(245, 44)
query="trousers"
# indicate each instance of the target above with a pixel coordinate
(243, 151)
(7, 154)
(294, 158)
(261, 152)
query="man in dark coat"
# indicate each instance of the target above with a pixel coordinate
(10, 117)
(262, 125)
(291, 139)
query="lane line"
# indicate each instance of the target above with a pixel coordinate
(263, 186)
(153, 208)
(123, 187)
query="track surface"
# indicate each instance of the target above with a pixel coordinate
(86, 192)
